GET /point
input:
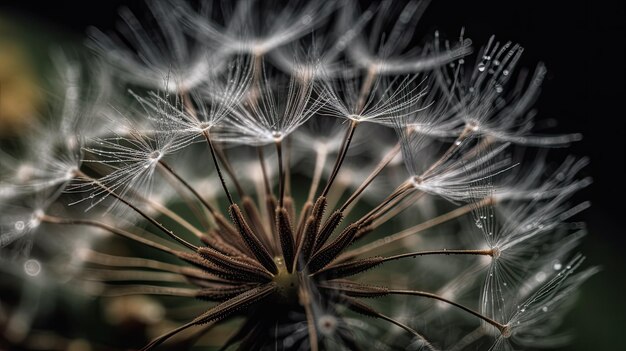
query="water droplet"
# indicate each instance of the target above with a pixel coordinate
(32, 267)
(19, 225)
(307, 19)
(457, 143)
(505, 72)
(557, 266)
(544, 308)
(481, 66)
(498, 88)
(479, 224)
(496, 62)
(504, 285)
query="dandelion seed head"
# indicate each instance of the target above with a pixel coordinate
(302, 169)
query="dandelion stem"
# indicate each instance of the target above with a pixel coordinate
(111, 275)
(487, 252)
(401, 191)
(287, 163)
(281, 173)
(341, 156)
(396, 209)
(175, 217)
(381, 165)
(192, 111)
(364, 309)
(360, 290)
(168, 213)
(394, 206)
(229, 170)
(375, 245)
(499, 326)
(109, 228)
(268, 187)
(320, 161)
(139, 211)
(102, 259)
(117, 291)
(217, 167)
(200, 213)
(171, 171)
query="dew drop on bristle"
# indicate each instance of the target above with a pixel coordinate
(32, 267)
(479, 224)
(19, 226)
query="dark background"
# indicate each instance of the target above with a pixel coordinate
(582, 44)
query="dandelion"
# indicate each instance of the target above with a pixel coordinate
(237, 183)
